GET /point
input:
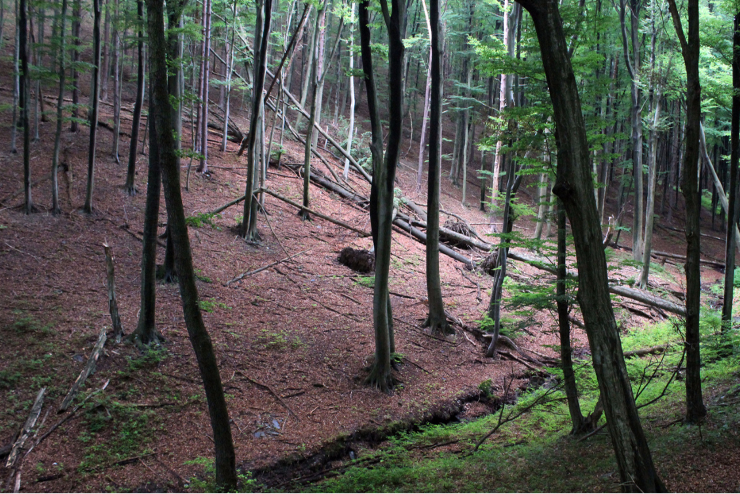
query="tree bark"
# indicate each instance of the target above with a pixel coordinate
(161, 115)
(732, 212)
(25, 82)
(695, 409)
(436, 320)
(136, 123)
(76, 17)
(95, 106)
(55, 209)
(574, 186)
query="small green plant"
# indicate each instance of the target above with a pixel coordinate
(204, 279)
(366, 281)
(397, 358)
(486, 388)
(149, 358)
(9, 379)
(202, 219)
(279, 340)
(207, 481)
(211, 304)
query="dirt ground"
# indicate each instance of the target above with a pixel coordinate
(292, 341)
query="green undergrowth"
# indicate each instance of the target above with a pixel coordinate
(534, 452)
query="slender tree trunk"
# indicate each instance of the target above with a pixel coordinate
(24, 90)
(427, 95)
(203, 166)
(436, 320)
(350, 134)
(55, 209)
(229, 69)
(566, 357)
(732, 213)
(16, 83)
(116, 86)
(161, 114)
(94, 115)
(249, 221)
(76, 16)
(574, 186)
(106, 54)
(131, 171)
(695, 409)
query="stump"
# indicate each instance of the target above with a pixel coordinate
(490, 263)
(359, 260)
(457, 227)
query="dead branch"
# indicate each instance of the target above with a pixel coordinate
(322, 216)
(271, 391)
(250, 273)
(86, 371)
(33, 416)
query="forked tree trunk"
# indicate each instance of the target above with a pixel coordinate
(94, 114)
(574, 186)
(695, 409)
(136, 123)
(161, 115)
(55, 209)
(436, 320)
(384, 172)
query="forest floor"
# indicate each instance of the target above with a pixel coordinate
(292, 341)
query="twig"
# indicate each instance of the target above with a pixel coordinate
(592, 433)
(272, 392)
(250, 273)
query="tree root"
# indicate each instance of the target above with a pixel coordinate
(437, 327)
(381, 379)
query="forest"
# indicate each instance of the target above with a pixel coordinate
(386, 245)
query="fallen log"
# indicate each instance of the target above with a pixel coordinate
(646, 351)
(419, 235)
(86, 371)
(258, 270)
(311, 211)
(33, 416)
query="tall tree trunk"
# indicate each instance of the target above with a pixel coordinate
(633, 67)
(55, 209)
(350, 134)
(203, 166)
(161, 114)
(146, 332)
(574, 186)
(566, 357)
(76, 19)
(106, 54)
(116, 86)
(732, 213)
(436, 320)
(695, 409)
(384, 171)
(136, 123)
(264, 16)
(229, 69)
(24, 90)
(16, 83)
(94, 114)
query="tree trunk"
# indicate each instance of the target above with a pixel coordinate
(205, 81)
(94, 114)
(384, 171)
(116, 86)
(436, 320)
(427, 95)
(695, 409)
(106, 54)
(16, 84)
(76, 18)
(146, 331)
(55, 209)
(249, 221)
(25, 82)
(732, 213)
(136, 123)
(161, 114)
(574, 186)
(566, 358)
(350, 134)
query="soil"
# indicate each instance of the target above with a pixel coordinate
(292, 341)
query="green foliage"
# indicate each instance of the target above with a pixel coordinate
(279, 340)
(206, 480)
(210, 305)
(9, 379)
(202, 219)
(366, 281)
(149, 358)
